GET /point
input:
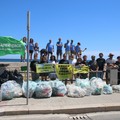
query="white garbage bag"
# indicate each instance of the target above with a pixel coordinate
(17, 89)
(97, 85)
(83, 83)
(75, 91)
(107, 89)
(58, 88)
(116, 88)
(43, 90)
(7, 89)
(31, 88)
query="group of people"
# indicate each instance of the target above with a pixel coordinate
(69, 47)
(33, 48)
(72, 55)
(96, 66)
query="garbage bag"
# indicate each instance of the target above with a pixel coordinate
(43, 90)
(4, 77)
(7, 89)
(83, 83)
(88, 90)
(97, 85)
(92, 78)
(17, 89)
(107, 89)
(58, 88)
(31, 88)
(16, 76)
(116, 88)
(75, 91)
(37, 81)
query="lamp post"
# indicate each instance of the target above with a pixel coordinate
(28, 30)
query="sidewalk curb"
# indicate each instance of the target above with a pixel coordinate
(103, 108)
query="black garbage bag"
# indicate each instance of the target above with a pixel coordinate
(12, 76)
(4, 77)
(15, 75)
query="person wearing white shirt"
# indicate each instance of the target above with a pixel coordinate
(72, 60)
(110, 62)
(53, 75)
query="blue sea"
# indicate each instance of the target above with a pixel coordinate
(14, 60)
(11, 60)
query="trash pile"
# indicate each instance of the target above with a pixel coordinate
(45, 89)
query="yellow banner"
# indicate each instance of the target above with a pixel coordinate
(44, 68)
(80, 69)
(64, 71)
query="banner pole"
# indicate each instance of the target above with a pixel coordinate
(28, 30)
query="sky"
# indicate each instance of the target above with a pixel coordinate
(93, 23)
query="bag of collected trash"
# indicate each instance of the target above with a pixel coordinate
(16, 76)
(7, 89)
(116, 88)
(4, 77)
(37, 81)
(17, 89)
(58, 88)
(97, 85)
(31, 88)
(75, 91)
(97, 91)
(88, 91)
(92, 78)
(107, 89)
(83, 83)
(43, 90)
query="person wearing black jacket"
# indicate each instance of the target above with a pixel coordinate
(64, 60)
(33, 63)
(101, 65)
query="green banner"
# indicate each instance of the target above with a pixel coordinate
(10, 45)
(64, 71)
(44, 68)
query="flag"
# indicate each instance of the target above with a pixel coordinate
(9, 45)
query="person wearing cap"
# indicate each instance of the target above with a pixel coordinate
(118, 65)
(101, 65)
(59, 45)
(93, 67)
(110, 62)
